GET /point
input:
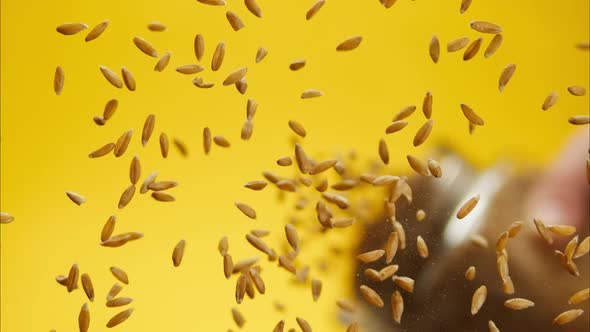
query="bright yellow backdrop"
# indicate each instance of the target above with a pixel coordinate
(46, 138)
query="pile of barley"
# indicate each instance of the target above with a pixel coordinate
(335, 209)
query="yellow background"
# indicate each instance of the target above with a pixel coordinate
(46, 138)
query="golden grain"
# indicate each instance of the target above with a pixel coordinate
(583, 248)
(493, 46)
(246, 209)
(102, 151)
(228, 265)
(156, 26)
(457, 44)
(341, 201)
(111, 76)
(492, 327)
(119, 318)
(120, 274)
(126, 196)
(579, 120)
(434, 49)
(148, 181)
(163, 196)
(314, 9)
(303, 324)
(405, 283)
(253, 8)
(178, 252)
(485, 27)
(423, 133)
(418, 165)
(391, 246)
(579, 296)
(354, 326)
(119, 302)
(383, 151)
(405, 112)
(241, 284)
(470, 273)
(397, 306)
(128, 79)
(349, 44)
(341, 222)
(570, 248)
(311, 93)
(134, 170)
(87, 286)
(235, 76)
(472, 49)
(76, 198)
(550, 101)
(69, 29)
(506, 75)
(345, 184)
(465, 5)
(371, 297)
(242, 85)
(181, 147)
(470, 114)
(58, 80)
(322, 166)
(6, 218)
(261, 53)
(478, 299)
(122, 143)
(109, 109)
(508, 286)
(567, 316)
(73, 276)
(467, 207)
(576, 90)
(279, 327)
(99, 120)
(145, 47)
(371, 256)
(287, 264)
(235, 21)
(163, 62)
(108, 228)
(422, 247)
(346, 305)
(257, 243)
(543, 231)
(427, 105)
(501, 241)
(565, 230)
(114, 291)
(84, 318)
(316, 289)
(518, 303)
(292, 236)
(399, 229)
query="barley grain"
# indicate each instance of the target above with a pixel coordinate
(119, 318)
(76, 198)
(493, 46)
(253, 8)
(467, 207)
(506, 75)
(570, 248)
(550, 101)
(434, 168)
(126, 196)
(349, 44)
(514, 228)
(492, 327)
(163, 196)
(543, 231)
(257, 243)
(108, 228)
(246, 209)
(178, 252)
(322, 166)
(576, 90)
(457, 44)
(62, 280)
(292, 236)
(58, 80)
(422, 247)
(565, 230)
(148, 181)
(122, 143)
(385, 180)
(261, 53)
(314, 9)
(228, 265)
(470, 273)
(163, 62)
(478, 299)
(405, 283)
(128, 79)
(399, 229)
(238, 317)
(311, 93)
(387, 272)
(470, 114)
(391, 246)
(472, 49)
(371, 297)
(114, 291)
(464, 6)
(316, 289)
(279, 327)
(518, 303)
(434, 49)
(567, 316)
(579, 120)
(111, 77)
(145, 47)
(102, 151)
(423, 133)
(397, 306)
(235, 76)
(119, 302)
(405, 112)
(485, 27)
(341, 222)
(99, 120)
(164, 145)
(303, 324)
(579, 296)
(233, 19)
(69, 29)
(341, 201)
(583, 248)
(287, 264)
(120, 274)
(241, 288)
(371, 256)
(134, 170)
(6, 218)
(501, 241)
(84, 318)
(418, 165)
(427, 105)
(199, 46)
(73, 276)
(156, 26)
(383, 151)
(346, 184)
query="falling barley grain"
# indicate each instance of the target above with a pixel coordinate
(228, 265)
(240, 288)
(163, 197)
(58, 80)
(543, 231)
(121, 239)
(418, 165)
(148, 181)
(87, 286)
(470, 273)
(341, 222)
(567, 316)
(506, 75)
(399, 229)
(145, 47)
(501, 241)
(148, 129)
(583, 248)
(354, 326)
(467, 207)
(570, 248)
(126, 196)
(134, 170)
(120, 275)
(391, 246)
(584, 46)
(287, 264)
(349, 44)
(485, 27)
(576, 90)
(279, 327)
(221, 141)
(371, 296)
(163, 62)
(122, 143)
(464, 6)
(257, 280)
(119, 318)
(397, 306)
(62, 280)
(181, 147)
(235, 76)
(383, 151)
(178, 252)
(97, 31)
(434, 49)
(434, 168)
(518, 304)
(108, 228)
(388, 272)
(404, 283)
(5, 218)
(565, 230)
(164, 145)
(218, 55)
(314, 9)
(422, 247)
(550, 101)
(234, 20)
(493, 46)
(73, 276)
(579, 296)
(76, 198)
(423, 133)
(472, 49)
(111, 76)
(341, 201)
(297, 64)
(246, 209)
(69, 29)
(492, 327)
(579, 120)
(297, 128)
(470, 114)
(261, 53)
(242, 85)
(257, 243)
(238, 317)
(427, 105)
(102, 151)
(84, 318)
(457, 44)
(114, 291)
(311, 93)
(514, 228)
(303, 324)
(316, 289)
(292, 236)
(119, 302)
(346, 184)
(478, 299)
(253, 8)
(396, 126)
(156, 26)
(385, 180)
(371, 256)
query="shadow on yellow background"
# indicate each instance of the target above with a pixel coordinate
(46, 139)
